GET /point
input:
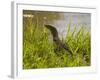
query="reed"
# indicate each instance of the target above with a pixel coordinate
(39, 51)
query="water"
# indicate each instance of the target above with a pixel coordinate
(75, 19)
(60, 20)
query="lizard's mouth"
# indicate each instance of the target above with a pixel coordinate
(47, 26)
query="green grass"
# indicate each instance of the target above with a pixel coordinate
(39, 51)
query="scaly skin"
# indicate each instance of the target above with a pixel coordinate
(56, 39)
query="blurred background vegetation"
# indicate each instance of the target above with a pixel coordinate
(39, 50)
